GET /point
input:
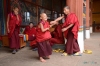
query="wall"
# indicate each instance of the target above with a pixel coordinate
(96, 11)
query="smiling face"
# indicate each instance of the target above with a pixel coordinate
(66, 10)
(43, 16)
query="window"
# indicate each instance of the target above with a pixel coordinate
(27, 17)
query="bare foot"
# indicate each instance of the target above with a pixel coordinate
(48, 57)
(42, 60)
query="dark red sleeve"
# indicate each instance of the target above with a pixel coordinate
(72, 19)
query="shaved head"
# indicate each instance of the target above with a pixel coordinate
(67, 7)
(66, 10)
(43, 16)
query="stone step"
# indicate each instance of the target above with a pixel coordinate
(59, 46)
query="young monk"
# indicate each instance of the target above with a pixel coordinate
(42, 36)
(13, 28)
(70, 29)
(31, 32)
(57, 35)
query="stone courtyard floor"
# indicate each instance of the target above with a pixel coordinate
(27, 57)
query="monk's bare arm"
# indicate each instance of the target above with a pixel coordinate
(8, 23)
(69, 26)
(52, 24)
(64, 29)
(42, 28)
(59, 18)
(56, 20)
(17, 17)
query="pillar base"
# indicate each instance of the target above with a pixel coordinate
(91, 30)
(87, 34)
(81, 41)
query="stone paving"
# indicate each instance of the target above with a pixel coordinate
(27, 57)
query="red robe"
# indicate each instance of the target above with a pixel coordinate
(42, 36)
(13, 22)
(14, 27)
(30, 32)
(71, 34)
(57, 34)
(72, 19)
(44, 48)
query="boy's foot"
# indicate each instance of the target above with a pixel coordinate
(42, 60)
(48, 57)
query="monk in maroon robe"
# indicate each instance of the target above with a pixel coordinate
(13, 27)
(42, 36)
(57, 35)
(70, 29)
(31, 32)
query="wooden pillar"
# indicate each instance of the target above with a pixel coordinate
(91, 6)
(79, 11)
(76, 6)
(91, 22)
(87, 20)
(87, 15)
(6, 5)
(72, 5)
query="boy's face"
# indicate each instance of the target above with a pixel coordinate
(66, 11)
(43, 17)
(31, 25)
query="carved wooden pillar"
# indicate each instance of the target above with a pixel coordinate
(76, 6)
(79, 11)
(87, 20)
(87, 14)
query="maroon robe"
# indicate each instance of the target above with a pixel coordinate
(44, 48)
(14, 27)
(71, 34)
(57, 35)
(30, 32)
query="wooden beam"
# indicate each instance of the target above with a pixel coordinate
(96, 13)
(38, 5)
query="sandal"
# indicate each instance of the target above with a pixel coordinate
(77, 54)
(64, 54)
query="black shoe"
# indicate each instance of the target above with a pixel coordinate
(35, 49)
(17, 50)
(14, 52)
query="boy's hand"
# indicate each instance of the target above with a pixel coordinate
(53, 22)
(47, 28)
(64, 29)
